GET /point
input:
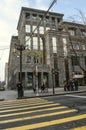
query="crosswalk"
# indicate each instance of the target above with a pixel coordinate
(38, 114)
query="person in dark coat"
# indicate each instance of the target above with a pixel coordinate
(34, 89)
(76, 84)
(20, 91)
(42, 88)
(71, 84)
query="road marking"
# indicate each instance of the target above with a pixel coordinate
(39, 116)
(22, 102)
(80, 128)
(27, 108)
(21, 113)
(25, 105)
(76, 96)
(49, 123)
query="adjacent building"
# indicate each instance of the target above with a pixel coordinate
(51, 49)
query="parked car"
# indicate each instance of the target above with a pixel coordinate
(2, 88)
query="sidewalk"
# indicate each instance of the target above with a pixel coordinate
(12, 94)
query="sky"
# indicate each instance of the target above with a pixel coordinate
(9, 16)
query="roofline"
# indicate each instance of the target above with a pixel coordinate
(40, 10)
(36, 10)
(72, 23)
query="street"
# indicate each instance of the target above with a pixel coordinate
(60, 112)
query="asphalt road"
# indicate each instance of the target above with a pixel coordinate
(64, 112)
(72, 101)
(77, 101)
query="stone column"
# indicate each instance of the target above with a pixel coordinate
(60, 57)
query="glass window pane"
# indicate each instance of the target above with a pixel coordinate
(75, 60)
(72, 32)
(35, 43)
(65, 46)
(54, 44)
(47, 28)
(27, 28)
(83, 47)
(34, 16)
(35, 29)
(41, 44)
(28, 42)
(41, 30)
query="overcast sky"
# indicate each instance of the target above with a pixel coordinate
(9, 15)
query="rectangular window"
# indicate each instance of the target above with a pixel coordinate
(41, 30)
(47, 28)
(47, 19)
(27, 28)
(53, 19)
(35, 43)
(54, 44)
(71, 32)
(83, 47)
(34, 17)
(75, 60)
(84, 33)
(40, 17)
(65, 46)
(41, 44)
(34, 29)
(28, 42)
(27, 15)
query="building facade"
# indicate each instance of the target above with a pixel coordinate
(51, 47)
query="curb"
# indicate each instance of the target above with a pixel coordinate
(57, 94)
(48, 94)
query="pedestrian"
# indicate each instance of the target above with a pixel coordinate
(34, 89)
(42, 88)
(68, 86)
(71, 84)
(19, 89)
(76, 84)
(65, 85)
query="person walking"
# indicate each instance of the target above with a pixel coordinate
(34, 89)
(65, 85)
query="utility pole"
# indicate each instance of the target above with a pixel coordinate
(37, 89)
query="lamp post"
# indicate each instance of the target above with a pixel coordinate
(37, 93)
(54, 72)
(20, 48)
(53, 80)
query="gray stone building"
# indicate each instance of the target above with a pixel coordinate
(76, 50)
(49, 55)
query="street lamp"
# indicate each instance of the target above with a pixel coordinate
(36, 76)
(37, 93)
(20, 48)
(54, 72)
